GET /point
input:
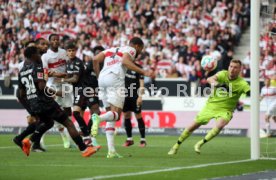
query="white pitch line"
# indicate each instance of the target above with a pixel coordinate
(71, 165)
(164, 170)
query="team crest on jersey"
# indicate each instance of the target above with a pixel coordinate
(39, 75)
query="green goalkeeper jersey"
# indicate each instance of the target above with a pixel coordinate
(227, 93)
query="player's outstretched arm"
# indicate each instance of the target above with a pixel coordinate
(99, 58)
(42, 87)
(72, 79)
(213, 80)
(127, 62)
(56, 74)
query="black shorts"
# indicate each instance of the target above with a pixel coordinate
(80, 99)
(54, 113)
(26, 105)
(131, 105)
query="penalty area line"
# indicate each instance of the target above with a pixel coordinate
(164, 170)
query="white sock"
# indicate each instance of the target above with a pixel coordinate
(267, 125)
(109, 131)
(143, 139)
(109, 116)
(129, 138)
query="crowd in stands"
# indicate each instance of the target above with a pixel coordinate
(176, 33)
(267, 49)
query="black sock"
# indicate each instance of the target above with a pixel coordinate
(141, 126)
(89, 126)
(29, 130)
(79, 142)
(128, 128)
(74, 134)
(41, 128)
(81, 123)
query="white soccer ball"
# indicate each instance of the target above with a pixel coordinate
(208, 63)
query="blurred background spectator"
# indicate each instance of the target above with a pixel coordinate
(176, 33)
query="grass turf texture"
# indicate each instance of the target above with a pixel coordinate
(60, 163)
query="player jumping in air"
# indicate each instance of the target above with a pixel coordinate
(111, 83)
(229, 86)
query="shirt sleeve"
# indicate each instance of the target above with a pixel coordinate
(44, 61)
(221, 77)
(131, 51)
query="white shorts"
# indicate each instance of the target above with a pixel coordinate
(67, 100)
(271, 111)
(112, 90)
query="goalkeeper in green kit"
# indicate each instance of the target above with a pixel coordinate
(228, 87)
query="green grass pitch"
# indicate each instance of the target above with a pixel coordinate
(60, 163)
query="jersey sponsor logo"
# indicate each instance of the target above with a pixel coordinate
(60, 62)
(131, 76)
(72, 72)
(114, 61)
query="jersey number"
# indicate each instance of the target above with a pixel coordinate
(29, 84)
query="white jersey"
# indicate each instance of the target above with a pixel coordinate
(269, 94)
(54, 61)
(113, 60)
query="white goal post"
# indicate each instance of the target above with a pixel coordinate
(254, 79)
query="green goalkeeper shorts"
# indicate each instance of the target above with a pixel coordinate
(207, 113)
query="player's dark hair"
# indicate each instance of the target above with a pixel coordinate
(38, 40)
(236, 61)
(28, 43)
(136, 41)
(29, 51)
(97, 48)
(70, 45)
(52, 35)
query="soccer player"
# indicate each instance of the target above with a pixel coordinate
(134, 83)
(75, 76)
(54, 61)
(229, 86)
(42, 46)
(32, 86)
(91, 81)
(268, 95)
(112, 83)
